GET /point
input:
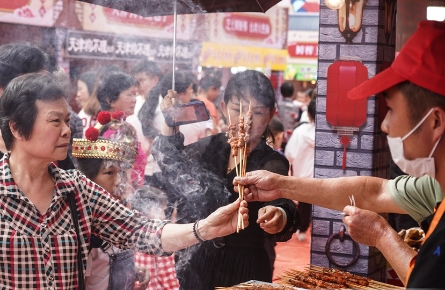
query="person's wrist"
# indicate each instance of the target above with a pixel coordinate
(282, 190)
(283, 220)
(169, 131)
(204, 230)
(386, 234)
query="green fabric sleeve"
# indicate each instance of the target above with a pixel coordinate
(417, 196)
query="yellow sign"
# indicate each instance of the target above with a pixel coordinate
(223, 55)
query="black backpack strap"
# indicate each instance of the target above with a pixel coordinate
(73, 209)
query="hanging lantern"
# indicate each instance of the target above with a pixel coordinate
(345, 115)
(350, 18)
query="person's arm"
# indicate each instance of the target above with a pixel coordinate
(115, 223)
(370, 193)
(371, 229)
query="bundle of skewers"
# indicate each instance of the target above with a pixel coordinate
(239, 144)
(316, 277)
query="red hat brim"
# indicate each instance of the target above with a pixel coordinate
(379, 83)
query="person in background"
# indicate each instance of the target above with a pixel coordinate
(184, 89)
(76, 126)
(302, 101)
(415, 124)
(148, 76)
(85, 88)
(109, 267)
(21, 58)
(209, 88)
(92, 105)
(288, 111)
(152, 202)
(277, 129)
(117, 92)
(300, 152)
(275, 141)
(198, 177)
(35, 197)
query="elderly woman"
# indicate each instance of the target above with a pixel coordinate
(38, 239)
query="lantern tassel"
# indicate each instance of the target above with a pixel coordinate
(345, 141)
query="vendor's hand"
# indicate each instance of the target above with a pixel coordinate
(364, 226)
(271, 219)
(223, 221)
(167, 104)
(260, 185)
(143, 277)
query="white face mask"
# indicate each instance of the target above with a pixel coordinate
(417, 167)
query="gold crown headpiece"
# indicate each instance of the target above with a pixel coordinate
(117, 139)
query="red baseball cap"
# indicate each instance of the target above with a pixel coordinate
(420, 61)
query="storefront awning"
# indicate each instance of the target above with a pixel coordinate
(224, 55)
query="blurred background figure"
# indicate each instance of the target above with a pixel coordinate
(300, 152)
(275, 141)
(209, 88)
(152, 202)
(85, 88)
(277, 129)
(184, 82)
(288, 111)
(148, 75)
(117, 92)
(302, 101)
(92, 105)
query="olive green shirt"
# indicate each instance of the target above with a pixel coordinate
(417, 196)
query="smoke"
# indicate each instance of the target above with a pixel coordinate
(197, 192)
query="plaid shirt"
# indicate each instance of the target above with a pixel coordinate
(39, 251)
(162, 271)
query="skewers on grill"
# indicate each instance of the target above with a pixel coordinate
(316, 277)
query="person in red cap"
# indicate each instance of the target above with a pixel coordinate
(414, 88)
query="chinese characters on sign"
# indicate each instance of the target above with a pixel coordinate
(86, 44)
(81, 44)
(303, 50)
(247, 26)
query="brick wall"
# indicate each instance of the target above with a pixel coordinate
(367, 155)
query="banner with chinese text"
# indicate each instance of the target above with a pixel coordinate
(80, 44)
(251, 29)
(226, 55)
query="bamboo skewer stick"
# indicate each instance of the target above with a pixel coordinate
(240, 152)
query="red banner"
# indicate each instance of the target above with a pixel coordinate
(11, 5)
(247, 26)
(119, 16)
(303, 50)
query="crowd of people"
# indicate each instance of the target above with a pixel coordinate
(85, 197)
(115, 167)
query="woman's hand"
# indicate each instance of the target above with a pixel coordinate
(223, 221)
(167, 104)
(271, 219)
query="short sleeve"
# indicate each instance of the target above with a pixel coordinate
(417, 196)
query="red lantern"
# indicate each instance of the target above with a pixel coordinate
(345, 115)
